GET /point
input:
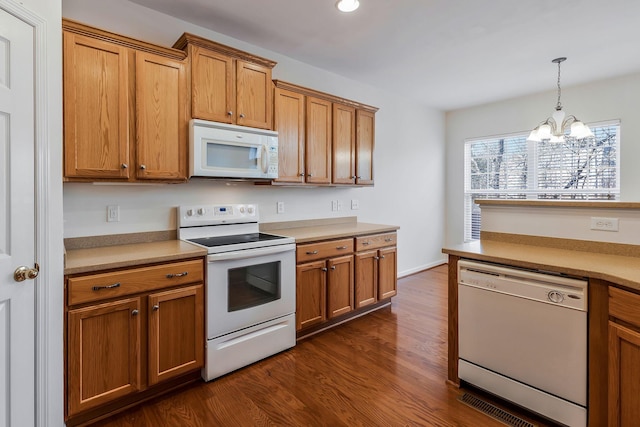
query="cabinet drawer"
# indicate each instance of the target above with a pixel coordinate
(375, 241)
(314, 251)
(101, 286)
(624, 305)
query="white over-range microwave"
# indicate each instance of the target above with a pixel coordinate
(219, 150)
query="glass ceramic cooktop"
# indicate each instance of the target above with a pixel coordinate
(235, 239)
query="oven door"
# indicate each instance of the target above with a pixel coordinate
(248, 287)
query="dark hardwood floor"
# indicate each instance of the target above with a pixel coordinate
(387, 368)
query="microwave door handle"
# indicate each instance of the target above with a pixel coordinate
(250, 253)
(264, 159)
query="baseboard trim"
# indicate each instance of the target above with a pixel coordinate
(420, 268)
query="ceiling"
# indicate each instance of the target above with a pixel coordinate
(446, 54)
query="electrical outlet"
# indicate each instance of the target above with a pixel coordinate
(340, 205)
(604, 224)
(280, 207)
(334, 205)
(113, 213)
(355, 204)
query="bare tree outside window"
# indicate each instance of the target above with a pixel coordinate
(511, 167)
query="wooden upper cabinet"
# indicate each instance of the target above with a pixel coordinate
(365, 140)
(318, 155)
(162, 116)
(253, 96)
(213, 85)
(289, 122)
(227, 84)
(344, 135)
(96, 113)
(125, 106)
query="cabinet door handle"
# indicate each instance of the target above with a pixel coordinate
(333, 267)
(324, 268)
(171, 276)
(359, 177)
(381, 256)
(301, 174)
(312, 252)
(143, 167)
(388, 239)
(366, 243)
(309, 175)
(229, 113)
(341, 248)
(156, 307)
(241, 115)
(97, 288)
(124, 166)
(376, 257)
(134, 312)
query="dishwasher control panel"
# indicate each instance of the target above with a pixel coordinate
(532, 285)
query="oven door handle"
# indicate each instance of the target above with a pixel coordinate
(250, 253)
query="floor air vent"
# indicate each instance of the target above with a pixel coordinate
(493, 411)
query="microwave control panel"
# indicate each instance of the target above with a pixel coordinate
(273, 159)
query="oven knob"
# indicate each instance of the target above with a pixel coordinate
(241, 209)
(190, 212)
(250, 210)
(201, 211)
(555, 296)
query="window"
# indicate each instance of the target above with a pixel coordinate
(510, 167)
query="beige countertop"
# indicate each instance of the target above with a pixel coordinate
(85, 260)
(619, 269)
(315, 230)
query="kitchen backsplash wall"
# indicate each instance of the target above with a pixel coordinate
(409, 157)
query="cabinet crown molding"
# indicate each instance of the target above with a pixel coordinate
(322, 95)
(191, 39)
(97, 33)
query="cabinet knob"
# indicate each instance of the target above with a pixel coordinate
(381, 256)
(353, 177)
(309, 175)
(124, 166)
(333, 267)
(134, 312)
(229, 113)
(376, 257)
(359, 177)
(301, 173)
(324, 269)
(241, 115)
(143, 167)
(156, 307)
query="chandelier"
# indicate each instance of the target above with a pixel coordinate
(553, 129)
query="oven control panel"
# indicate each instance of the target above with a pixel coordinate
(199, 215)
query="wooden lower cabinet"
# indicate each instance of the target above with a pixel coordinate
(130, 334)
(624, 376)
(624, 358)
(103, 353)
(334, 283)
(340, 286)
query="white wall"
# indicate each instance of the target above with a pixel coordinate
(597, 101)
(409, 156)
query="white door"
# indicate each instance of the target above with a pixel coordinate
(17, 222)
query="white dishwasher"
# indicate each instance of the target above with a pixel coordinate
(523, 337)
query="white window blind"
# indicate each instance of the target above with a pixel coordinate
(510, 167)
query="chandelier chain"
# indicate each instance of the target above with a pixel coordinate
(559, 105)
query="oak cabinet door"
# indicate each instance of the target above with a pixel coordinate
(290, 124)
(103, 361)
(213, 85)
(366, 278)
(340, 286)
(624, 376)
(176, 332)
(162, 117)
(344, 133)
(96, 113)
(253, 95)
(318, 148)
(365, 139)
(387, 273)
(311, 292)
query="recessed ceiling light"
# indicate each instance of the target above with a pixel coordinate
(347, 5)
